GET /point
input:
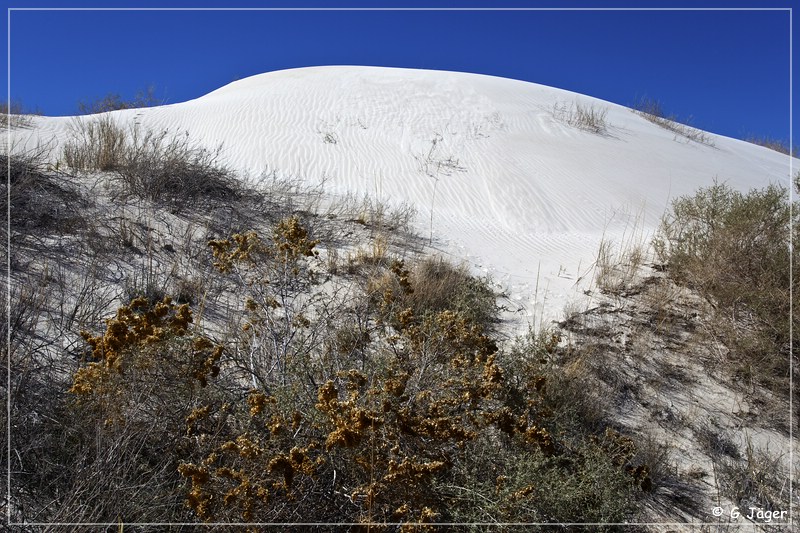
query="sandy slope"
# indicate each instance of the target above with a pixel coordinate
(514, 191)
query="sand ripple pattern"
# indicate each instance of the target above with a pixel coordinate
(512, 190)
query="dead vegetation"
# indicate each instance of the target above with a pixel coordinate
(264, 353)
(589, 118)
(218, 362)
(653, 111)
(779, 145)
(14, 115)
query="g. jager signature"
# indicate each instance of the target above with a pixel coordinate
(760, 515)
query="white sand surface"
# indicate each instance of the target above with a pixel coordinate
(498, 180)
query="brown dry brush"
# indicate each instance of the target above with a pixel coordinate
(42, 201)
(385, 414)
(145, 374)
(386, 440)
(104, 444)
(161, 167)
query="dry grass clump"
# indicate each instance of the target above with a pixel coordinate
(433, 285)
(163, 167)
(618, 267)
(778, 145)
(653, 111)
(97, 144)
(114, 102)
(42, 200)
(14, 115)
(585, 117)
(440, 285)
(756, 481)
(156, 166)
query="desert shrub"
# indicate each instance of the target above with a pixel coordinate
(734, 248)
(157, 166)
(585, 117)
(96, 144)
(778, 145)
(100, 440)
(653, 110)
(42, 200)
(164, 167)
(115, 102)
(433, 285)
(278, 335)
(125, 417)
(386, 422)
(581, 485)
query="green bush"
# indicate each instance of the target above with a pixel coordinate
(735, 249)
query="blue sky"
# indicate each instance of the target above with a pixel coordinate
(728, 70)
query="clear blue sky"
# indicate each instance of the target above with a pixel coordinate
(729, 70)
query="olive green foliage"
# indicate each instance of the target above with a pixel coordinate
(734, 248)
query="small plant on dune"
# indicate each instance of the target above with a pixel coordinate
(115, 102)
(156, 166)
(438, 285)
(166, 167)
(585, 117)
(779, 145)
(14, 115)
(97, 144)
(617, 269)
(653, 110)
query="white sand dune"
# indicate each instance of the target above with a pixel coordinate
(519, 194)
